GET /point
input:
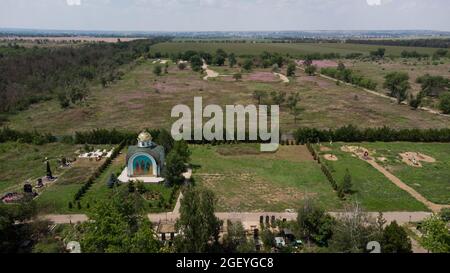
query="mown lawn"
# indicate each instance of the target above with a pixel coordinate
(432, 180)
(375, 191)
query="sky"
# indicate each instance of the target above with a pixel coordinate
(225, 15)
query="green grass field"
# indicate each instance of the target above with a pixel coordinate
(297, 50)
(244, 180)
(432, 181)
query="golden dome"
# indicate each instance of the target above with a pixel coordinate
(145, 137)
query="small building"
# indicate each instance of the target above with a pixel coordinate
(166, 232)
(144, 161)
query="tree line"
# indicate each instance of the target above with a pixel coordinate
(437, 43)
(352, 133)
(349, 76)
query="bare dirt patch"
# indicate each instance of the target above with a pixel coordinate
(330, 157)
(325, 149)
(262, 77)
(414, 159)
(358, 150)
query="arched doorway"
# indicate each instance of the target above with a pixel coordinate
(142, 164)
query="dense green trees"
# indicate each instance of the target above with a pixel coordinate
(30, 75)
(197, 222)
(176, 163)
(398, 84)
(291, 70)
(378, 54)
(351, 133)
(157, 70)
(235, 239)
(395, 240)
(444, 103)
(431, 42)
(433, 85)
(314, 224)
(232, 60)
(435, 235)
(347, 75)
(20, 230)
(118, 226)
(413, 54)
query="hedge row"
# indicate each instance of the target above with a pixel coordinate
(34, 137)
(103, 136)
(324, 169)
(384, 134)
(98, 172)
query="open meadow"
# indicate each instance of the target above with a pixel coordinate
(144, 100)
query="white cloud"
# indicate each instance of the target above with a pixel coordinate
(373, 2)
(73, 2)
(377, 2)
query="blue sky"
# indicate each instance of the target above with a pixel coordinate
(210, 15)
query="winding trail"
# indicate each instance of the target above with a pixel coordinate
(426, 109)
(209, 73)
(282, 77)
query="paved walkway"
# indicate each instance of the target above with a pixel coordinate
(248, 218)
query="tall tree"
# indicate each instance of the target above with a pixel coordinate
(259, 95)
(49, 169)
(175, 167)
(232, 60)
(398, 84)
(117, 226)
(346, 186)
(182, 149)
(291, 70)
(353, 230)
(314, 223)
(165, 139)
(197, 221)
(435, 235)
(395, 240)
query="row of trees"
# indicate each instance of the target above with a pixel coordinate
(347, 75)
(33, 137)
(352, 133)
(439, 43)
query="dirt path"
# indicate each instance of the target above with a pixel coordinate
(282, 77)
(432, 206)
(209, 73)
(426, 109)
